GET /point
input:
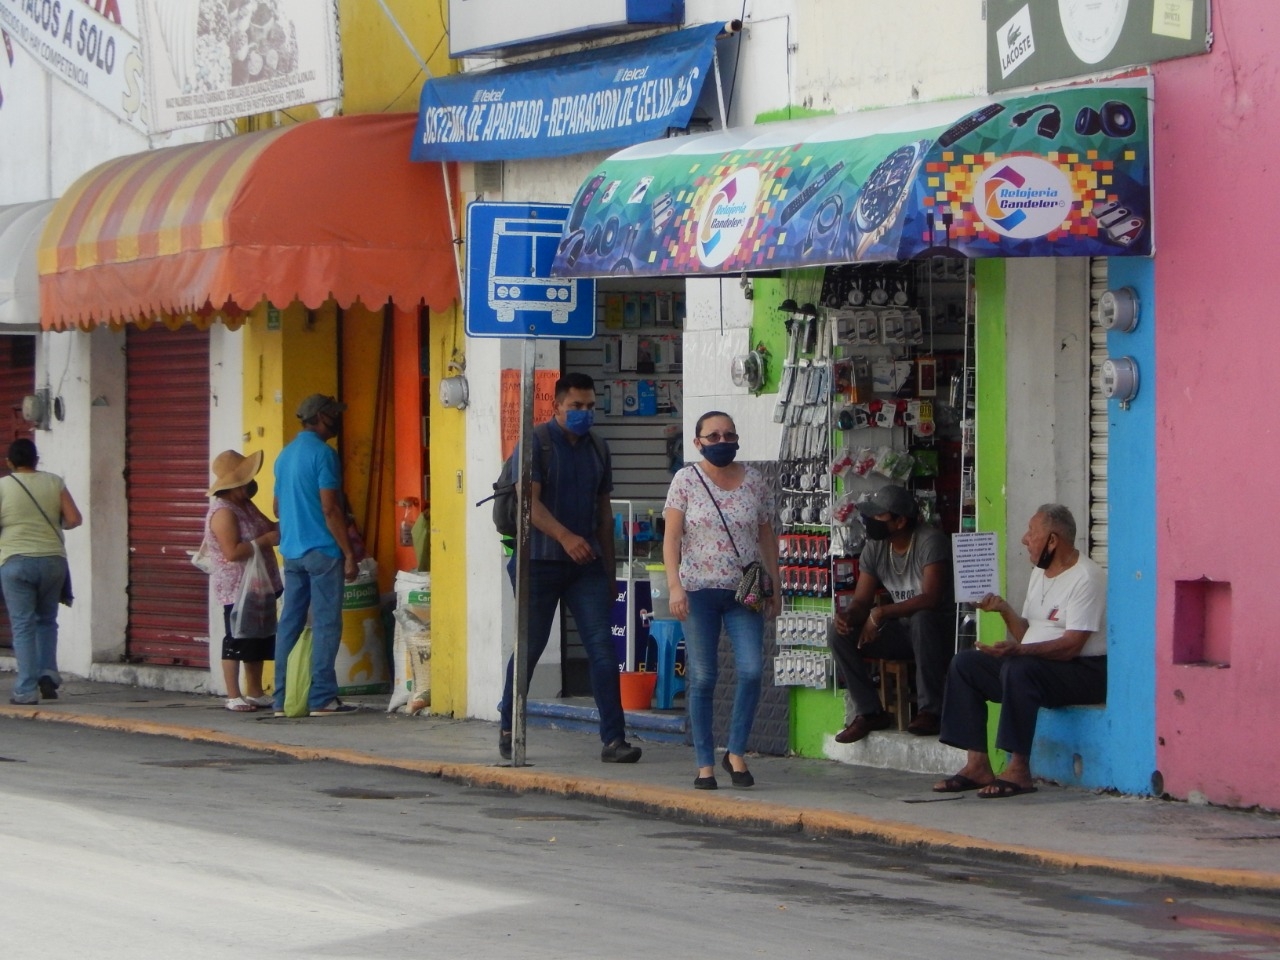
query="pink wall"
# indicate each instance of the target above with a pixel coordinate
(1217, 272)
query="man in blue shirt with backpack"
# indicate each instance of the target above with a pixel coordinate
(571, 556)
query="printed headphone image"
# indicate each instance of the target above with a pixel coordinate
(1115, 119)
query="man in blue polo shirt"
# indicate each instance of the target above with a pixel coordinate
(317, 553)
(571, 558)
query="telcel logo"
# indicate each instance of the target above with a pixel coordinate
(1023, 197)
(725, 216)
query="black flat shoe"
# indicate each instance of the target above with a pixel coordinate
(743, 779)
(705, 783)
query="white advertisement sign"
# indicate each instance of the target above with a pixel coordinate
(96, 54)
(211, 60)
(476, 25)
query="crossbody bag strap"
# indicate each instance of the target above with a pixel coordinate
(61, 538)
(695, 469)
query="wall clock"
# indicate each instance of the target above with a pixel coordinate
(1092, 27)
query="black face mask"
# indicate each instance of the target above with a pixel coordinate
(876, 529)
(1046, 557)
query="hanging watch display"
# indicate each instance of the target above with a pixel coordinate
(1092, 27)
(883, 195)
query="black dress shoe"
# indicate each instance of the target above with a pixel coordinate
(48, 689)
(743, 779)
(619, 752)
(705, 783)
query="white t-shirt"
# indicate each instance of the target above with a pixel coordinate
(1075, 599)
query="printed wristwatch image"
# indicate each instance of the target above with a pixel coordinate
(884, 193)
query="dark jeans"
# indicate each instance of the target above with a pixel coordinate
(588, 591)
(927, 637)
(1022, 685)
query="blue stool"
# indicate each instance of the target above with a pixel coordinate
(666, 635)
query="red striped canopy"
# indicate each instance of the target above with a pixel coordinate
(331, 208)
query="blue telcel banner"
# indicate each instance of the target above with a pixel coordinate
(599, 99)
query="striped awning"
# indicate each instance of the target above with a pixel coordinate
(20, 227)
(331, 208)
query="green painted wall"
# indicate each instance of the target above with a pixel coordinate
(815, 715)
(991, 444)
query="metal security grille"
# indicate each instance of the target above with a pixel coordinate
(166, 477)
(17, 379)
(1098, 425)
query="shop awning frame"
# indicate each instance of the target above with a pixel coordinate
(1063, 172)
(331, 208)
(20, 228)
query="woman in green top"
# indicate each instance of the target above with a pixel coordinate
(35, 508)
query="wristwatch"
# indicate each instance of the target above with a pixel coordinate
(886, 189)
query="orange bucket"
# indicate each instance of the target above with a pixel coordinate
(637, 689)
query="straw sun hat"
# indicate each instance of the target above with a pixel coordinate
(230, 470)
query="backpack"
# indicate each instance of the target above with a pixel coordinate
(506, 510)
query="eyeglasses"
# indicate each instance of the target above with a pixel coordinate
(717, 437)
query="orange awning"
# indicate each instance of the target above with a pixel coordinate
(328, 208)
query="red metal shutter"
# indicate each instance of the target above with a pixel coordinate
(166, 477)
(17, 379)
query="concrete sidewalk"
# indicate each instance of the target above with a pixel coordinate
(1059, 827)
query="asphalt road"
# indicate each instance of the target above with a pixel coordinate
(121, 846)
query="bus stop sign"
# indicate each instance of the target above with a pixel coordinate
(510, 290)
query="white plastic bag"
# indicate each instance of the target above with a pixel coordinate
(254, 612)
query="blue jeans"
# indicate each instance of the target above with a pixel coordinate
(314, 581)
(31, 587)
(708, 610)
(588, 591)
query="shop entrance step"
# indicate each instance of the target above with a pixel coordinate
(579, 714)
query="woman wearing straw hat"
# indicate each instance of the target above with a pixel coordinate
(233, 526)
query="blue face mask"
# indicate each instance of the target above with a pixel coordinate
(720, 454)
(579, 421)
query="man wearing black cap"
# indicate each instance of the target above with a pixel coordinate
(912, 564)
(318, 557)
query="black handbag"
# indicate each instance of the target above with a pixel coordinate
(753, 586)
(67, 596)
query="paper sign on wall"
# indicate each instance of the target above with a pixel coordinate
(544, 399)
(976, 565)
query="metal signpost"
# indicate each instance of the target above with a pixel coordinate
(511, 294)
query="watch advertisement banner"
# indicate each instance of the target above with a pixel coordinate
(1036, 41)
(598, 99)
(99, 56)
(211, 60)
(1059, 173)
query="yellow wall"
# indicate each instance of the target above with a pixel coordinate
(449, 509)
(369, 485)
(380, 74)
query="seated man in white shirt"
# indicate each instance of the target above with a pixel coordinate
(1056, 657)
